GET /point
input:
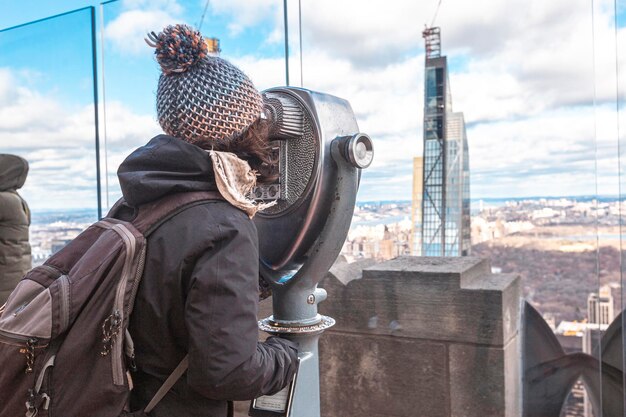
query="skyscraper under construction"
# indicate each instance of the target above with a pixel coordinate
(445, 193)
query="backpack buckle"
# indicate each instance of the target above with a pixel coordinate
(35, 401)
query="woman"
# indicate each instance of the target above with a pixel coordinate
(199, 291)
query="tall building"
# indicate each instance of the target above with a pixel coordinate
(600, 306)
(445, 226)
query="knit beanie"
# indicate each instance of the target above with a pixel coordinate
(199, 96)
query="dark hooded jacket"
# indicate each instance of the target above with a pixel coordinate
(199, 292)
(15, 257)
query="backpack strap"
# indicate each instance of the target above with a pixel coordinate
(168, 384)
(148, 217)
(151, 215)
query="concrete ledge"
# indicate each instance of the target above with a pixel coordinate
(445, 299)
(433, 265)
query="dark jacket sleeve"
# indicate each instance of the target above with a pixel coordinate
(226, 361)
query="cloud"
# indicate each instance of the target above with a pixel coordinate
(541, 53)
(168, 6)
(368, 34)
(264, 72)
(58, 140)
(246, 13)
(16, 115)
(553, 153)
(127, 31)
(126, 130)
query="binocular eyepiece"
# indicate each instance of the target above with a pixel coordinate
(357, 149)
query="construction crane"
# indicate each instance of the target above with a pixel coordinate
(432, 36)
(432, 23)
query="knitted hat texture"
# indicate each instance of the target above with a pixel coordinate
(200, 96)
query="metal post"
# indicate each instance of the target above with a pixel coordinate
(95, 108)
(295, 304)
(303, 325)
(286, 42)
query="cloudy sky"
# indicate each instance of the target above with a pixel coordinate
(535, 79)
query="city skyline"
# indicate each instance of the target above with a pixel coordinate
(475, 201)
(528, 104)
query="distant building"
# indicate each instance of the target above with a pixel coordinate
(600, 306)
(387, 245)
(570, 337)
(416, 206)
(600, 312)
(445, 226)
(58, 244)
(382, 241)
(213, 46)
(575, 336)
(575, 403)
(591, 340)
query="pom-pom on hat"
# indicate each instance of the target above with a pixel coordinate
(199, 96)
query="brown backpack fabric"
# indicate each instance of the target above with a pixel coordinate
(65, 350)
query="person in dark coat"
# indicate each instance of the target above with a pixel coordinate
(15, 256)
(199, 293)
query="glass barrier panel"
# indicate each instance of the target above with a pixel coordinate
(495, 136)
(47, 117)
(612, 305)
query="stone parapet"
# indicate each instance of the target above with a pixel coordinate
(420, 336)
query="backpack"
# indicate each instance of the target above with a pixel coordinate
(65, 349)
